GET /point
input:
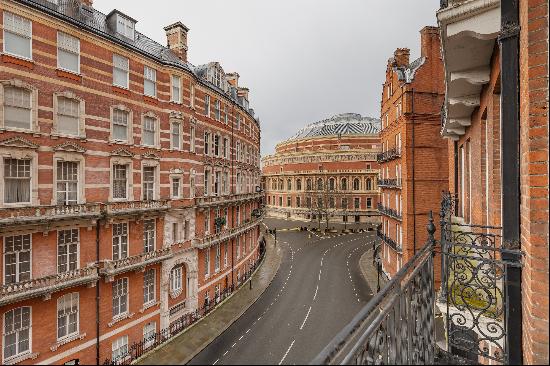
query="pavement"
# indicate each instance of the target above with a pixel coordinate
(369, 271)
(318, 289)
(185, 346)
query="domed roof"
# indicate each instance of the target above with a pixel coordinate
(341, 124)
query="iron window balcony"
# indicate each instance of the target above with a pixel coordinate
(389, 155)
(38, 215)
(47, 285)
(386, 239)
(216, 238)
(137, 263)
(390, 183)
(389, 212)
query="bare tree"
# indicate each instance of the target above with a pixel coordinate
(321, 202)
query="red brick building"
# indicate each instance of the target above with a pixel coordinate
(127, 182)
(496, 125)
(328, 169)
(413, 162)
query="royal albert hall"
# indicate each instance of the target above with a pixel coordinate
(328, 168)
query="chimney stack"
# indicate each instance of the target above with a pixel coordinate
(233, 79)
(401, 56)
(176, 36)
(429, 39)
(89, 3)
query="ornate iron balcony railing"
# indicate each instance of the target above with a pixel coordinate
(138, 262)
(390, 182)
(216, 238)
(36, 215)
(386, 239)
(398, 325)
(388, 155)
(47, 285)
(389, 212)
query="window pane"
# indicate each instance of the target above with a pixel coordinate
(120, 78)
(17, 45)
(68, 60)
(149, 88)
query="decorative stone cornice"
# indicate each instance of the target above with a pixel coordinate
(122, 152)
(150, 155)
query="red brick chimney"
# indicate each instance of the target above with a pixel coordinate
(401, 56)
(176, 36)
(89, 3)
(429, 39)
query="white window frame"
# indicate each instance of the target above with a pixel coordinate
(207, 105)
(116, 346)
(19, 354)
(175, 83)
(178, 194)
(72, 297)
(129, 124)
(127, 294)
(24, 33)
(149, 76)
(68, 48)
(128, 27)
(150, 117)
(207, 263)
(149, 340)
(147, 290)
(176, 281)
(17, 271)
(149, 235)
(119, 245)
(173, 135)
(33, 121)
(118, 64)
(67, 253)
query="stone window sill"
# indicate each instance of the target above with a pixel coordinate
(20, 358)
(120, 318)
(148, 306)
(69, 339)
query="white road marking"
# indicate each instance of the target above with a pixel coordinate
(287, 351)
(248, 330)
(226, 352)
(234, 344)
(215, 362)
(307, 315)
(314, 296)
(241, 337)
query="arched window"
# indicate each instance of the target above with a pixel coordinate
(308, 184)
(289, 185)
(298, 184)
(280, 184)
(320, 184)
(369, 184)
(344, 184)
(331, 184)
(356, 184)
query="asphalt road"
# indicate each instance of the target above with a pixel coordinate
(317, 291)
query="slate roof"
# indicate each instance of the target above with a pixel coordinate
(341, 124)
(95, 21)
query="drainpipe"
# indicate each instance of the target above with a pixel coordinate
(413, 178)
(97, 293)
(510, 173)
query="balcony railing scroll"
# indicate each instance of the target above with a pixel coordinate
(136, 207)
(45, 286)
(210, 201)
(386, 239)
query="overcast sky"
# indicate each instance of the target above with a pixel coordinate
(303, 60)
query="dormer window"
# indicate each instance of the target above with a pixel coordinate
(125, 27)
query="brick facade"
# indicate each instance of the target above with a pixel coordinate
(125, 212)
(414, 159)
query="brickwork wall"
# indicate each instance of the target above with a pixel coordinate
(534, 178)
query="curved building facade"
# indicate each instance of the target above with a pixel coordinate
(128, 183)
(327, 171)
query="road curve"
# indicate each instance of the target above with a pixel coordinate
(317, 291)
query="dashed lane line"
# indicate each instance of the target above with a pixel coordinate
(287, 351)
